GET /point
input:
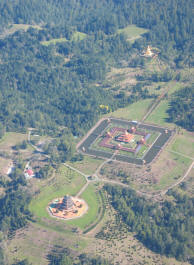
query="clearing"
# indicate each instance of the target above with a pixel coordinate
(132, 32)
(15, 27)
(77, 36)
(135, 111)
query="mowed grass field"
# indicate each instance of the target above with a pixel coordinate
(135, 111)
(77, 36)
(66, 182)
(88, 165)
(132, 32)
(176, 166)
(159, 115)
(183, 144)
(11, 138)
(92, 198)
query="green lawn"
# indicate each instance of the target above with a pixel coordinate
(183, 144)
(77, 36)
(182, 163)
(53, 41)
(132, 32)
(159, 115)
(66, 182)
(11, 139)
(135, 111)
(92, 199)
(88, 165)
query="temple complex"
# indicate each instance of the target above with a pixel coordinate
(67, 207)
(148, 52)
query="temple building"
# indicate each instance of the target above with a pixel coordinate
(126, 137)
(67, 203)
(148, 52)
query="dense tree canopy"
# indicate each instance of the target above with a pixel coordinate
(40, 87)
(55, 85)
(181, 108)
(164, 228)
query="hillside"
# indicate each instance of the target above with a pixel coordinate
(96, 102)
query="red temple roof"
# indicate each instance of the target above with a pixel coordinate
(30, 172)
(125, 138)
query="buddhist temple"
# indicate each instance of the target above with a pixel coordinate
(67, 207)
(148, 52)
(126, 137)
(67, 203)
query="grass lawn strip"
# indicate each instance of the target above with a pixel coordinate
(135, 111)
(93, 200)
(159, 115)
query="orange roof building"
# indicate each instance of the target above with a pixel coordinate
(126, 137)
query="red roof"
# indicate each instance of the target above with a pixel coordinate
(30, 172)
(125, 138)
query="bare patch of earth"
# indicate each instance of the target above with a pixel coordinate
(142, 177)
(123, 77)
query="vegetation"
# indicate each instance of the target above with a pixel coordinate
(62, 148)
(134, 111)
(165, 228)
(54, 60)
(66, 182)
(59, 256)
(181, 108)
(14, 204)
(132, 32)
(91, 197)
(97, 36)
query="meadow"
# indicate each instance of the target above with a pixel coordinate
(135, 111)
(77, 36)
(132, 32)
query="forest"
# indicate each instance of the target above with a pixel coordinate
(47, 87)
(14, 212)
(165, 228)
(58, 89)
(181, 108)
